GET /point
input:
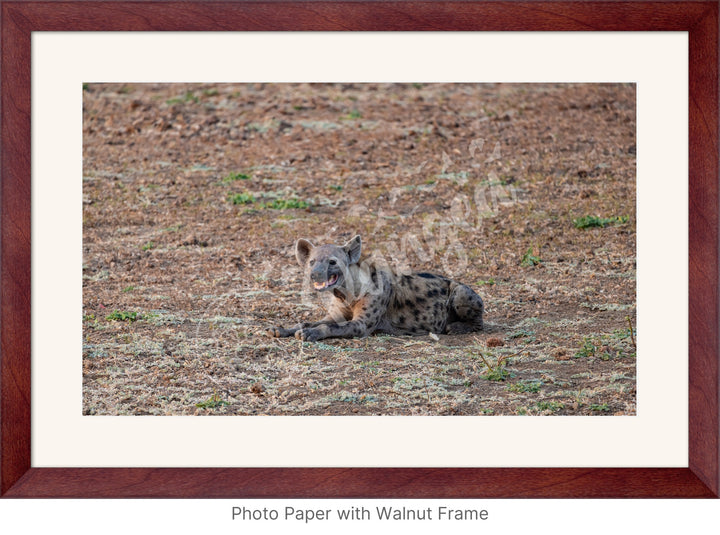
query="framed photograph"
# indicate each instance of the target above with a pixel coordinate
(509, 208)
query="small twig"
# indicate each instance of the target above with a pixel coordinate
(418, 343)
(485, 361)
(632, 337)
(503, 358)
(427, 392)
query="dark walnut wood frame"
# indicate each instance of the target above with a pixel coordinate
(19, 479)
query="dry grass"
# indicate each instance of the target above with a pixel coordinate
(482, 182)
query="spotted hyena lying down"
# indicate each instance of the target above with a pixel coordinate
(369, 298)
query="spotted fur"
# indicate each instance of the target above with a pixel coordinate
(371, 298)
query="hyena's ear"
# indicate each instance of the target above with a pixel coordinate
(352, 248)
(303, 248)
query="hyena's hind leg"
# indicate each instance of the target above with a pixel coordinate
(465, 312)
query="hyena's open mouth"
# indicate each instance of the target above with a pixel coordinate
(323, 285)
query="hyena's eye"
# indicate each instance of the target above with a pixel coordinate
(312, 262)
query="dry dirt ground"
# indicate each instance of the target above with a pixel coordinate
(194, 195)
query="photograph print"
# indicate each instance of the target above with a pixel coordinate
(359, 249)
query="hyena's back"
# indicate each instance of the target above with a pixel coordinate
(424, 302)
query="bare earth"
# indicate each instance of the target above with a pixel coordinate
(195, 194)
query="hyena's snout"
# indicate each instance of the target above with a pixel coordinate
(323, 279)
(318, 275)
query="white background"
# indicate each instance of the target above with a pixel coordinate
(657, 62)
(193, 517)
(657, 436)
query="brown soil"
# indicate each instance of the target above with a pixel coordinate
(194, 195)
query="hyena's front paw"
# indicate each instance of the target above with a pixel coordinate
(308, 335)
(273, 332)
(279, 332)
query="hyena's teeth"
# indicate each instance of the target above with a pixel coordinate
(321, 285)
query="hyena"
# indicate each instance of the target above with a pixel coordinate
(371, 298)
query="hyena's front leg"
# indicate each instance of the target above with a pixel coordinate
(347, 329)
(280, 332)
(366, 315)
(336, 314)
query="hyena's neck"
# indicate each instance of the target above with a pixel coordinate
(355, 284)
